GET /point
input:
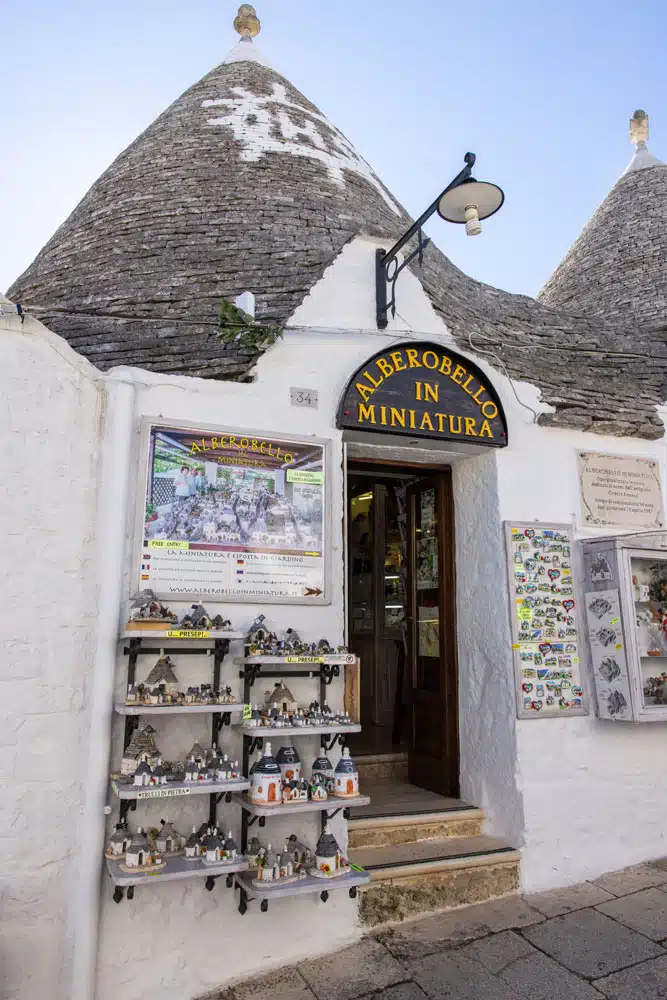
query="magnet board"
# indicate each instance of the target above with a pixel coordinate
(545, 623)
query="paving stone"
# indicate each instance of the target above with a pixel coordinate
(631, 880)
(644, 911)
(540, 978)
(555, 902)
(348, 974)
(499, 950)
(283, 984)
(660, 863)
(423, 937)
(647, 981)
(454, 976)
(590, 943)
(404, 991)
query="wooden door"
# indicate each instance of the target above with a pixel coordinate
(433, 751)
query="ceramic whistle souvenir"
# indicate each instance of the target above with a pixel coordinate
(346, 777)
(266, 780)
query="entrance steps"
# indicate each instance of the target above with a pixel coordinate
(427, 862)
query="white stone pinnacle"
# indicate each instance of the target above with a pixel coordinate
(246, 50)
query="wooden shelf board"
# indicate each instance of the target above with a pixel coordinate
(178, 789)
(177, 709)
(302, 887)
(148, 633)
(177, 868)
(265, 731)
(294, 808)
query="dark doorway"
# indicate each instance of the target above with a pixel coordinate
(401, 607)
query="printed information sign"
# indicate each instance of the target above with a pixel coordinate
(233, 516)
(620, 491)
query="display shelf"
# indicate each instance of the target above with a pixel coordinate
(177, 709)
(307, 886)
(176, 868)
(259, 732)
(177, 789)
(189, 634)
(331, 805)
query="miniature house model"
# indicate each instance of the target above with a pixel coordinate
(289, 763)
(322, 765)
(139, 853)
(141, 749)
(346, 777)
(168, 840)
(328, 857)
(193, 846)
(118, 842)
(266, 780)
(283, 698)
(162, 675)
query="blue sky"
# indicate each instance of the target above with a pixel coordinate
(542, 93)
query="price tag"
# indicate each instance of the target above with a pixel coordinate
(187, 634)
(247, 712)
(163, 793)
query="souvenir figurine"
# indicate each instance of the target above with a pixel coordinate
(253, 852)
(141, 856)
(214, 848)
(148, 613)
(289, 762)
(118, 843)
(169, 840)
(317, 788)
(143, 774)
(282, 697)
(329, 860)
(346, 777)
(295, 791)
(322, 765)
(163, 675)
(266, 780)
(193, 846)
(141, 749)
(231, 850)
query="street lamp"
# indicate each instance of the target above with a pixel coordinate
(464, 201)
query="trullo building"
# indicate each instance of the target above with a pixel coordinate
(203, 404)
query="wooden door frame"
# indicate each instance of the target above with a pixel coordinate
(441, 479)
(447, 561)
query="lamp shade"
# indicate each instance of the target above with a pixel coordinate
(486, 198)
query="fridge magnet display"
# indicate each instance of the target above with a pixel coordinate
(544, 620)
(234, 515)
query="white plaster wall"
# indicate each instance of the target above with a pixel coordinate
(51, 411)
(331, 334)
(594, 792)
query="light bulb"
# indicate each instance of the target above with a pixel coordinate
(473, 225)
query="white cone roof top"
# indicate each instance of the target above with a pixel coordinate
(639, 137)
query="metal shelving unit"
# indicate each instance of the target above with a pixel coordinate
(325, 669)
(128, 795)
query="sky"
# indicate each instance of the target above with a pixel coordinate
(541, 92)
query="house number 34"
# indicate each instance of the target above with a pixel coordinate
(303, 397)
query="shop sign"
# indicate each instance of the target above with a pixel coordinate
(233, 515)
(620, 491)
(422, 390)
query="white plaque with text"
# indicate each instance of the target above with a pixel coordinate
(620, 491)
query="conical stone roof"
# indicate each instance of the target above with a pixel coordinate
(616, 268)
(242, 184)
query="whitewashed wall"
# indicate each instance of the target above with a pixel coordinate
(594, 792)
(51, 409)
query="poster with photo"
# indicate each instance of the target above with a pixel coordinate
(234, 516)
(610, 669)
(545, 621)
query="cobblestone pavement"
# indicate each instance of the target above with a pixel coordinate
(601, 939)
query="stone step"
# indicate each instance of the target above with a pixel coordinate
(379, 768)
(383, 831)
(431, 876)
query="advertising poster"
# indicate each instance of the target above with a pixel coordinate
(545, 621)
(233, 516)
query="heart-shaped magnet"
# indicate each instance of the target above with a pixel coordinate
(568, 605)
(544, 648)
(537, 705)
(529, 532)
(554, 574)
(527, 687)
